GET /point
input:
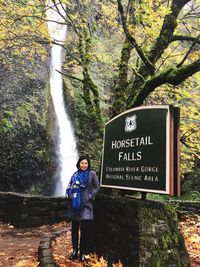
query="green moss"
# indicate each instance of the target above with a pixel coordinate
(6, 125)
(44, 117)
(27, 110)
(47, 120)
(164, 241)
(151, 213)
(145, 216)
(8, 114)
(34, 190)
(160, 240)
(88, 125)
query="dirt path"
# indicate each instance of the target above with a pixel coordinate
(18, 247)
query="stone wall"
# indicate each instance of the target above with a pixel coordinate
(140, 233)
(27, 211)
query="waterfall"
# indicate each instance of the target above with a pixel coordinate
(66, 151)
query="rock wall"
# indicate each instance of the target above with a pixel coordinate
(28, 211)
(26, 129)
(139, 233)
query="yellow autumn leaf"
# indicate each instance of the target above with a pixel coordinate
(25, 263)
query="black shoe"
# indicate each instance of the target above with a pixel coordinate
(74, 255)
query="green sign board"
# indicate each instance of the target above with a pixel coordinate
(139, 151)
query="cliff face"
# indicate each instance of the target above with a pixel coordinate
(26, 127)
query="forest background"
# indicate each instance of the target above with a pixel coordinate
(118, 55)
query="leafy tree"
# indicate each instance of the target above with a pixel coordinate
(160, 52)
(22, 33)
(164, 39)
(160, 32)
(136, 52)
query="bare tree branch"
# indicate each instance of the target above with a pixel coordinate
(58, 10)
(187, 54)
(70, 76)
(187, 134)
(185, 38)
(132, 40)
(168, 28)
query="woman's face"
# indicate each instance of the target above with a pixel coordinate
(83, 164)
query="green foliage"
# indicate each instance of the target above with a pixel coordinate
(191, 183)
(34, 189)
(187, 97)
(6, 125)
(162, 43)
(24, 111)
(86, 131)
(187, 195)
(22, 31)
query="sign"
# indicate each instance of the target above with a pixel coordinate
(141, 151)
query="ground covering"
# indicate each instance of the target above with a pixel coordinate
(18, 247)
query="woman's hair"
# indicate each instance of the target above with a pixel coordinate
(82, 158)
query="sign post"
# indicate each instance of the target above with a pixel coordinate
(141, 150)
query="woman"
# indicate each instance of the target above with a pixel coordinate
(82, 189)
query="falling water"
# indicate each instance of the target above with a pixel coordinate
(67, 154)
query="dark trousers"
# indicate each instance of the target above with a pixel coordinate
(86, 236)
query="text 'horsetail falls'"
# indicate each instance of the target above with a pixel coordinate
(66, 151)
(133, 142)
